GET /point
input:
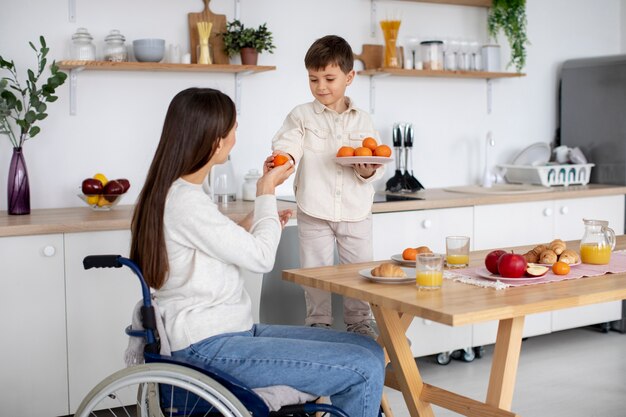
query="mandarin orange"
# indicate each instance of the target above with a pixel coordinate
(370, 143)
(280, 160)
(362, 151)
(345, 151)
(409, 254)
(382, 150)
(560, 268)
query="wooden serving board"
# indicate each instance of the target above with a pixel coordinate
(215, 41)
(372, 56)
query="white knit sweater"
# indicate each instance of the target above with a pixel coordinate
(204, 294)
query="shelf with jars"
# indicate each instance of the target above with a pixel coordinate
(75, 67)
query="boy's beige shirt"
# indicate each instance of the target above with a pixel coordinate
(312, 133)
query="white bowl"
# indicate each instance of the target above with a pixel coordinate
(149, 50)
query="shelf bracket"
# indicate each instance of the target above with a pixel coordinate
(73, 87)
(373, 91)
(373, 18)
(238, 77)
(489, 95)
(71, 10)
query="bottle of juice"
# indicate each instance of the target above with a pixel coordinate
(597, 242)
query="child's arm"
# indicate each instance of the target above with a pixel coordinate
(288, 140)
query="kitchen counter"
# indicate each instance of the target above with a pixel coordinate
(83, 219)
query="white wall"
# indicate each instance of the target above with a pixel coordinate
(120, 114)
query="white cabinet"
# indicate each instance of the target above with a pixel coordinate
(99, 307)
(33, 355)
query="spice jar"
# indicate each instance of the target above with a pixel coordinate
(114, 48)
(432, 55)
(249, 185)
(82, 48)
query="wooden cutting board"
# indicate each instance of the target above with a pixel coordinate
(372, 56)
(215, 41)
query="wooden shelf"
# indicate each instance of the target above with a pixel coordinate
(476, 3)
(439, 74)
(155, 66)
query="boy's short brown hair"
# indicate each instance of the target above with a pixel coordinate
(330, 49)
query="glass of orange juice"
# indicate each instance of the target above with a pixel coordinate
(429, 271)
(457, 251)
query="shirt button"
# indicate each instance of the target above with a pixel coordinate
(336, 119)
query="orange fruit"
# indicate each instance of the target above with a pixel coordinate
(345, 151)
(370, 143)
(410, 254)
(382, 150)
(280, 160)
(560, 268)
(362, 151)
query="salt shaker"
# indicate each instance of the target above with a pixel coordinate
(114, 48)
(249, 185)
(82, 48)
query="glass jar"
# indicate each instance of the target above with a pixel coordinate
(432, 55)
(114, 48)
(82, 48)
(597, 242)
(249, 185)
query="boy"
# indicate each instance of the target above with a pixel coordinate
(334, 202)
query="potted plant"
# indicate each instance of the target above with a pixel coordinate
(510, 17)
(249, 42)
(21, 108)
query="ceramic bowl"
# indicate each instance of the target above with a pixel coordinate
(149, 50)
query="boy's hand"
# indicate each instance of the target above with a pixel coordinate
(269, 161)
(273, 177)
(366, 170)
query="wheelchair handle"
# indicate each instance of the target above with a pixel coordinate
(102, 261)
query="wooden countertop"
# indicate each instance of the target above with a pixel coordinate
(83, 219)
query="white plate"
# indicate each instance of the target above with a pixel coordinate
(550, 265)
(483, 272)
(351, 160)
(398, 258)
(410, 276)
(535, 154)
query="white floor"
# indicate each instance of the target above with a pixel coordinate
(573, 373)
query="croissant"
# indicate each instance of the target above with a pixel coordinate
(388, 270)
(558, 246)
(540, 248)
(547, 257)
(531, 257)
(569, 257)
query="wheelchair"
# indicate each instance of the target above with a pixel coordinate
(164, 386)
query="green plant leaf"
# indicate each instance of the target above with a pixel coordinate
(42, 107)
(41, 116)
(33, 131)
(51, 99)
(33, 46)
(30, 117)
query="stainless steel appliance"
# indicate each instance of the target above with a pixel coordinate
(591, 117)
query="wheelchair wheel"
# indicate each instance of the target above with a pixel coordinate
(188, 393)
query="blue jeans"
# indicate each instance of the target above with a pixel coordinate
(347, 367)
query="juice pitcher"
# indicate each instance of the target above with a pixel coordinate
(597, 242)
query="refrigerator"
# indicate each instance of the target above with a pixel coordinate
(592, 116)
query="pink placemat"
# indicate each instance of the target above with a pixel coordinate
(470, 275)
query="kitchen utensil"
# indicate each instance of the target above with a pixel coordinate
(536, 154)
(371, 56)
(204, 33)
(410, 182)
(395, 183)
(149, 50)
(216, 42)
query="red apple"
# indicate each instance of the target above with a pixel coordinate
(536, 270)
(92, 186)
(511, 265)
(125, 183)
(491, 260)
(112, 190)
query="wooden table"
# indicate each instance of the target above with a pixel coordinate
(457, 304)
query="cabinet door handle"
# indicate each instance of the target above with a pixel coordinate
(49, 251)
(547, 212)
(564, 210)
(427, 224)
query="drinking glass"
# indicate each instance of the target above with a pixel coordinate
(457, 251)
(429, 271)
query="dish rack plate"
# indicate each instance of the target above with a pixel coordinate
(548, 175)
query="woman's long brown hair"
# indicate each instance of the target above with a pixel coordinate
(196, 120)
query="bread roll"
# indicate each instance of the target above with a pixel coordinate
(388, 270)
(547, 257)
(423, 249)
(558, 246)
(569, 257)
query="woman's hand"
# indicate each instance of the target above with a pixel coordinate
(366, 170)
(273, 177)
(284, 216)
(269, 161)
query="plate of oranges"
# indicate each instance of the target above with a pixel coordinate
(370, 152)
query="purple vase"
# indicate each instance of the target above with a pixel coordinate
(18, 191)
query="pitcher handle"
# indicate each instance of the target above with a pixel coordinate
(610, 235)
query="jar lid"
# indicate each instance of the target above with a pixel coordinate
(252, 174)
(431, 42)
(82, 33)
(114, 35)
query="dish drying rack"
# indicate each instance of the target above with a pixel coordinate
(548, 175)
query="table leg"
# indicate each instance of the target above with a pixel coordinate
(393, 336)
(505, 361)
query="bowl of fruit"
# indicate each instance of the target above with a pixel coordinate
(102, 194)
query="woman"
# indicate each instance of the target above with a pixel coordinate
(192, 255)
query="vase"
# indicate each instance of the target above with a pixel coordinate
(18, 190)
(249, 56)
